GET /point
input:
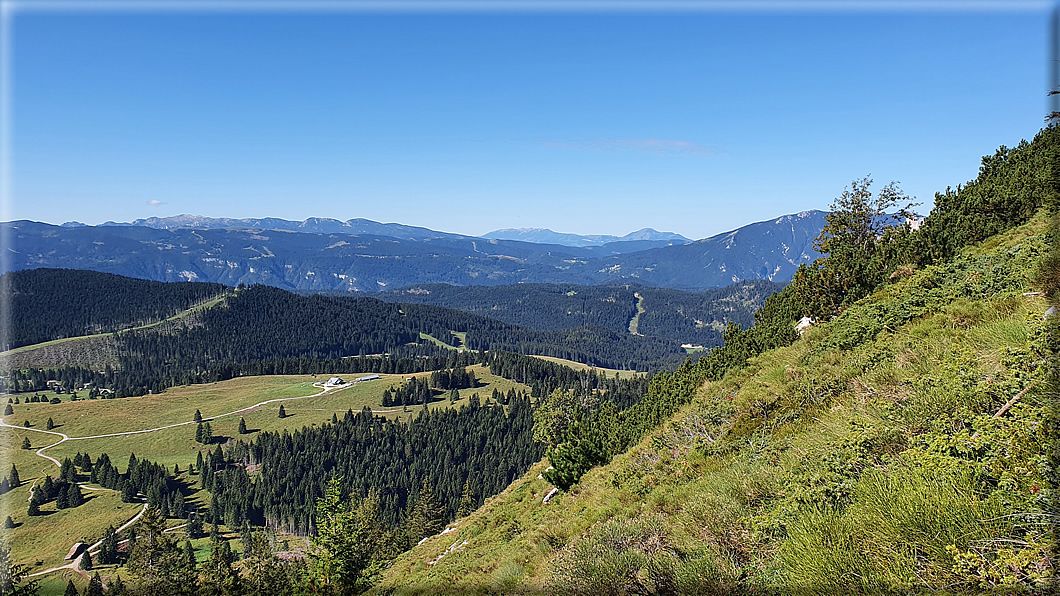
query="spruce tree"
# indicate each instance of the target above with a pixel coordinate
(26, 444)
(12, 478)
(9, 523)
(50, 424)
(198, 416)
(8, 410)
(71, 589)
(34, 508)
(95, 586)
(468, 500)
(242, 426)
(283, 413)
(86, 561)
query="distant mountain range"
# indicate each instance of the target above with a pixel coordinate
(354, 259)
(546, 236)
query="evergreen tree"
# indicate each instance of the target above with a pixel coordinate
(283, 413)
(67, 471)
(12, 575)
(50, 424)
(245, 533)
(218, 576)
(34, 508)
(117, 588)
(427, 517)
(194, 527)
(71, 589)
(264, 575)
(156, 560)
(8, 410)
(108, 549)
(12, 479)
(86, 561)
(242, 426)
(26, 444)
(74, 497)
(342, 556)
(198, 417)
(189, 553)
(95, 586)
(9, 523)
(468, 501)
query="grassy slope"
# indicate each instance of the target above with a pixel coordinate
(176, 445)
(623, 374)
(95, 350)
(42, 538)
(843, 463)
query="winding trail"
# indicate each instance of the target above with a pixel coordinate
(75, 565)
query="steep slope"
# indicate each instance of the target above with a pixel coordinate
(904, 446)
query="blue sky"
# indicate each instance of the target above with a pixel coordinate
(592, 122)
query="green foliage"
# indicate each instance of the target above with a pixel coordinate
(156, 559)
(342, 558)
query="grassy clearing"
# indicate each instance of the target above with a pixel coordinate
(634, 323)
(441, 344)
(622, 374)
(177, 405)
(45, 539)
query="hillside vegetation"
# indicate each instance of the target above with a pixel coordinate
(907, 444)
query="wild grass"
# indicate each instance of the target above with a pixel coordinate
(839, 464)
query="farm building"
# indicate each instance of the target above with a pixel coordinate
(366, 378)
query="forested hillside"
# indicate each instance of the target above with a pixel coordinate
(908, 444)
(48, 304)
(684, 317)
(265, 330)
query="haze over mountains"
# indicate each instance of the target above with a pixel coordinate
(546, 236)
(364, 256)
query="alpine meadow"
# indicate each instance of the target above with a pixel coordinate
(561, 298)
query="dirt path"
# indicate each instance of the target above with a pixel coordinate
(75, 564)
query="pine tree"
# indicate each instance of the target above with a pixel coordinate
(95, 586)
(117, 588)
(194, 527)
(283, 413)
(50, 424)
(242, 426)
(468, 500)
(74, 498)
(34, 508)
(9, 523)
(198, 416)
(108, 550)
(189, 553)
(13, 479)
(26, 444)
(71, 589)
(86, 561)
(8, 410)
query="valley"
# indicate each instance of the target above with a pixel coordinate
(556, 437)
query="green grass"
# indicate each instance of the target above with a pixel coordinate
(178, 405)
(196, 308)
(634, 323)
(441, 344)
(611, 372)
(813, 470)
(48, 537)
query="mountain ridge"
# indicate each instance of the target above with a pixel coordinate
(299, 260)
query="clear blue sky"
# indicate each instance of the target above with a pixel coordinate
(594, 122)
